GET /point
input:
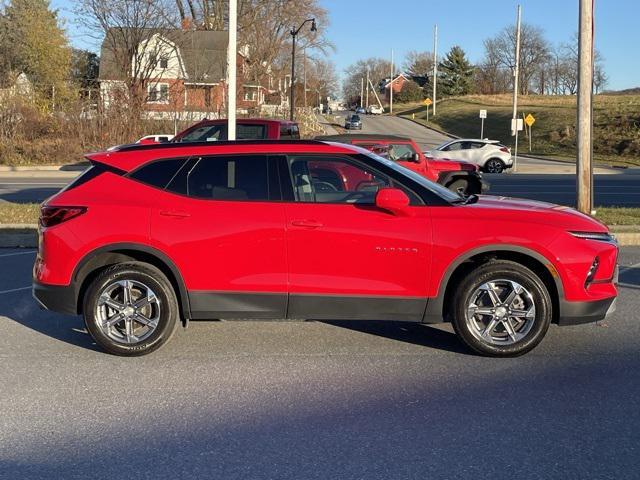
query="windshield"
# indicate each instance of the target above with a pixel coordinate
(436, 188)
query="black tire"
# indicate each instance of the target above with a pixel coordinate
(492, 271)
(494, 165)
(149, 276)
(459, 185)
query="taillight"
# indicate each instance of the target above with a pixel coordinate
(504, 149)
(50, 216)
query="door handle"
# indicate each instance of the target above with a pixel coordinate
(306, 223)
(174, 213)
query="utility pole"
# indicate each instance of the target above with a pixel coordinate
(305, 75)
(361, 91)
(231, 69)
(435, 65)
(391, 86)
(367, 94)
(516, 84)
(584, 170)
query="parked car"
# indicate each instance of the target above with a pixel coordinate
(309, 230)
(163, 138)
(361, 110)
(353, 122)
(246, 129)
(375, 110)
(490, 155)
(460, 177)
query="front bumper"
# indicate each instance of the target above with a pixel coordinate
(576, 313)
(57, 298)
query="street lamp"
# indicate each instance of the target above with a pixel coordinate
(294, 32)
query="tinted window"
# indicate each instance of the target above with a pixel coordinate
(159, 173)
(250, 132)
(206, 133)
(452, 147)
(239, 178)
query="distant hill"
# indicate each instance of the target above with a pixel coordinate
(628, 91)
(616, 123)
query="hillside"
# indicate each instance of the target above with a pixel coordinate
(616, 123)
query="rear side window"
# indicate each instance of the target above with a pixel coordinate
(289, 132)
(250, 132)
(159, 173)
(89, 174)
(239, 178)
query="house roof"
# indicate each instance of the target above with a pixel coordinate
(203, 52)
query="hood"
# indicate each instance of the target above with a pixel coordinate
(542, 212)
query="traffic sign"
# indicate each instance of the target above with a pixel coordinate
(516, 125)
(427, 101)
(529, 120)
(483, 114)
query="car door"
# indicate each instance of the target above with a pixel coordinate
(221, 222)
(453, 151)
(405, 155)
(347, 258)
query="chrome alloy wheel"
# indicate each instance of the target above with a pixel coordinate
(501, 312)
(127, 311)
(494, 166)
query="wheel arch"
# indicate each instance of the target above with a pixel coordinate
(96, 260)
(437, 307)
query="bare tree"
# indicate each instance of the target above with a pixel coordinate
(418, 64)
(379, 70)
(534, 52)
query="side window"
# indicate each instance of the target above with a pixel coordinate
(401, 152)
(295, 132)
(323, 179)
(159, 173)
(207, 133)
(477, 145)
(239, 178)
(453, 147)
(251, 132)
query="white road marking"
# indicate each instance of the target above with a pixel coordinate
(15, 290)
(17, 253)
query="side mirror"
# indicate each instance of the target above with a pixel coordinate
(393, 200)
(416, 158)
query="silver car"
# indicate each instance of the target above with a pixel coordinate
(490, 155)
(353, 122)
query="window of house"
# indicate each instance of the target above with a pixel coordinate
(164, 62)
(158, 93)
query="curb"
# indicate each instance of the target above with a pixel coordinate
(26, 235)
(74, 167)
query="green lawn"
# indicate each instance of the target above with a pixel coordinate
(616, 124)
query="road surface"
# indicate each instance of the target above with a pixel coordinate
(310, 400)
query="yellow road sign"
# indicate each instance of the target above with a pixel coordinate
(427, 101)
(529, 120)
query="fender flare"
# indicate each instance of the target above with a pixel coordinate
(435, 305)
(79, 275)
(472, 178)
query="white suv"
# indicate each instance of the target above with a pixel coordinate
(490, 155)
(375, 110)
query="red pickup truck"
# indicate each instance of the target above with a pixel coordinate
(246, 129)
(458, 176)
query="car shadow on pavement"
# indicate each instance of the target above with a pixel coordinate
(30, 195)
(25, 311)
(413, 333)
(629, 277)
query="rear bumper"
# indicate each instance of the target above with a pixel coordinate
(576, 313)
(57, 298)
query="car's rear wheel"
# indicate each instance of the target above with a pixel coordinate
(131, 309)
(501, 309)
(494, 165)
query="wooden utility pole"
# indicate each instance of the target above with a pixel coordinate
(584, 171)
(435, 65)
(361, 91)
(367, 87)
(231, 69)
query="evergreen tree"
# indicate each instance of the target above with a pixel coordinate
(455, 73)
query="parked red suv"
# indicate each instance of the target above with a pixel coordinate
(246, 129)
(459, 176)
(154, 234)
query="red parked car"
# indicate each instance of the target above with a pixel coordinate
(246, 129)
(459, 176)
(314, 230)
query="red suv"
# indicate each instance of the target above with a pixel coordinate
(152, 235)
(459, 176)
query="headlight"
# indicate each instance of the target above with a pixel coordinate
(598, 236)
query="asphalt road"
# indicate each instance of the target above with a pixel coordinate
(306, 400)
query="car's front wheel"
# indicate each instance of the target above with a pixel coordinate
(501, 309)
(494, 165)
(130, 309)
